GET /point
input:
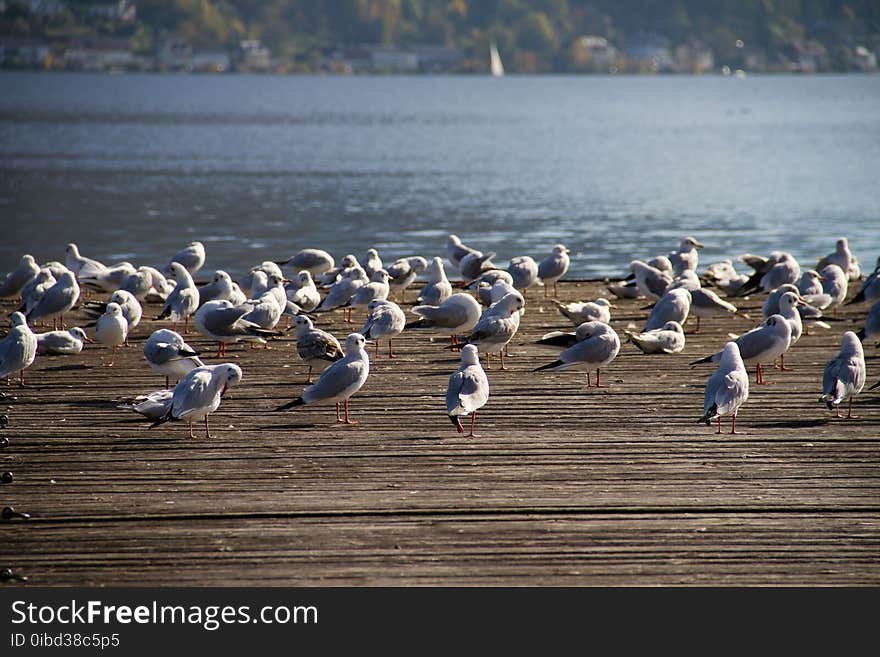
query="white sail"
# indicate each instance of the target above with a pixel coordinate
(495, 64)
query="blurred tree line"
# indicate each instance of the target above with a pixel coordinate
(533, 35)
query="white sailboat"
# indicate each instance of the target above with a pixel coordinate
(495, 65)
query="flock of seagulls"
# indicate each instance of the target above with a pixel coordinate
(481, 316)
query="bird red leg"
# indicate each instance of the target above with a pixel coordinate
(377, 350)
(61, 321)
(207, 431)
(782, 366)
(837, 411)
(186, 324)
(719, 425)
(501, 354)
(348, 420)
(390, 349)
(589, 383)
(733, 430)
(698, 325)
(488, 361)
(309, 377)
(849, 416)
(21, 383)
(191, 434)
(338, 419)
(759, 377)
(555, 290)
(167, 383)
(113, 357)
(598, 385)
(473, 424)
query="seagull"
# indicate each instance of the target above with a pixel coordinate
(108, 279)
(437, 289)
(778, 269)
(524, 271)
(264, 312)
(871, 329)
(457, 314)
(191, 257)
(497, 326)
(315, 347)
(762, 344)
(724, 276)
(727, 389)
(841, 256)
(198, 394)
(835, 285)
(788, 304)
(18, 349)
(166, 352)
(669, 339)
(674, 306)
(593, 346)
(161, 286)
(219, 288)
(131, 307)
(15, 280)
(76, 263)
(112, 329)
(486, 281)
(474, 264)
(403, 273)
(468, 390)
(686, 257)
(153, 406)
(258, 277)
(844, 375)
(57, 300)
(303, 292)
(705, 303)
(223, 322)
(341, 293)
(372, 263)
(184, 300)
(340, 380)
(139, 284)
(554, 267)
(314, 261)
(586, 311)
(34, 290)
(385, 320)
(650, 281)
(376, 290)
(456, 250)
(59, 343)
(810, 282)
(331, 276)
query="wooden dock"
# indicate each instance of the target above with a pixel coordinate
(565, 486)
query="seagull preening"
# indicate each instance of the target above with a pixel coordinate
(591, 347)
(844, 375)
(198, 394)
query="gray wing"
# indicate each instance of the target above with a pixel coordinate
(591, 350)
(192, 393)
(54, 300)
(549, 267)
(830, 377)
(473, 389)
(443, 316)
(334, 380)
(220, 321)
(753, 343)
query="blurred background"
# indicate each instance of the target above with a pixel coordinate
(262, 128)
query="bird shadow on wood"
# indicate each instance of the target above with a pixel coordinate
(276, 427)
(93, 403)
(67, 368)
(791, 424)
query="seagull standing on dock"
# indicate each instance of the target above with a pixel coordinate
(835, 284)
(76, 262)
(438, 288)
(314, 261)
(457, 314)
(844, 375)
(554, 267)
(456, 250)
(317, 348)
(468, 390)
(870, 290)
(524, 272)
(579, 311)
(339, 381)
(497, 326)
(727, 389)
(15, 280)
(223, 322)
(112, 329)
(303, 292)
(191, 257)
(686, 257)
(650, 281)
(184, 300)
(385, 320)
(592, 346)
(166, 352)
(198, 394)
(871, 329)
(669, 339)
(403, 273)
(18, 349)
(57, 300)
(762, 344)
(674, 306)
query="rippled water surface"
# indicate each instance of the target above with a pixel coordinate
(134, 166)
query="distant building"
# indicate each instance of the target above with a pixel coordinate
(650, 49)
(102, 54)
(810, 56)
(254, 56)
(436, 58)
(594, 53)
(18, 52)
(123, 11)
(393, 59)
(694, 58)
(210, 62)
(864, 60)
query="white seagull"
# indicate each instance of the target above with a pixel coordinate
(468, 390)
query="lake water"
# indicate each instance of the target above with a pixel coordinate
(134, 166)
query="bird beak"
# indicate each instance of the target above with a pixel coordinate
(699, 246)
(286, 280)
(822, 279)
(88, 340)
(613, 307)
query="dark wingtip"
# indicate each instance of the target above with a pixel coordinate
(456, 423)
(875, 385)
(707, 359)
(860, 334)
(555, 363)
